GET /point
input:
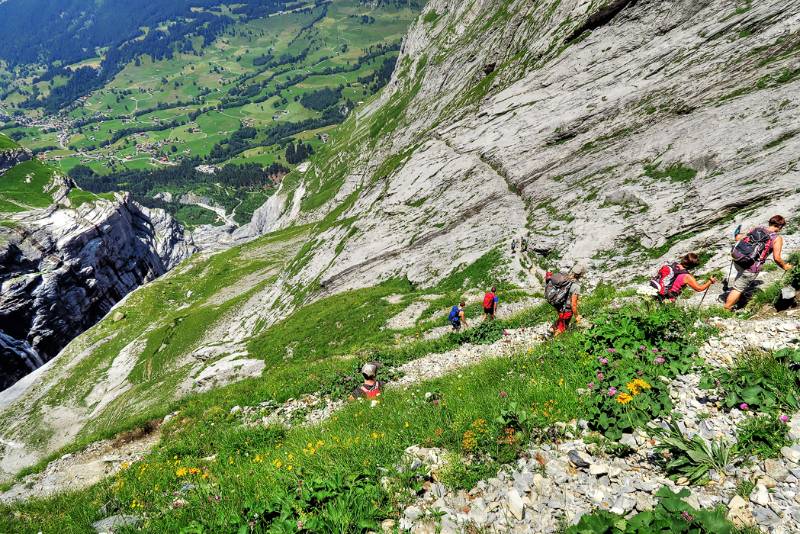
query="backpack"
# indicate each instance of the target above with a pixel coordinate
(371, 393)
(664, 280)
(753, 249)
(557, 290)
(454, 314)
(488, 300)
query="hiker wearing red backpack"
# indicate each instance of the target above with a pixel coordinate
(562, 291)
(490, 300)
(371, 388)
(673, 277)
(751, 253)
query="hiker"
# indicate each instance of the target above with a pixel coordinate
(751, 253)
(514, 245)
(524, 244)
(673, 277)
(457, 316)
(562, 291)
(371, 388)
(490, 300)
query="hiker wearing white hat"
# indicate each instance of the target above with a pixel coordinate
(562, 291)
(371, 388)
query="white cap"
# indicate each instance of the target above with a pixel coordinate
(369, 370)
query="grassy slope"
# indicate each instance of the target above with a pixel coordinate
(23, 187)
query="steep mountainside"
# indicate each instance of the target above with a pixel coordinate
(64, 266)
(619, 132)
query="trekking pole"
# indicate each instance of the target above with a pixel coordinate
(704, 297)
(730, 269)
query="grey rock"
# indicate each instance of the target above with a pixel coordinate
(765, 517)
(110, 524)
(579, 459)
(760, 495)
(791, 453)
(515, 504)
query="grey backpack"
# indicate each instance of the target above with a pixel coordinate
(557, 290)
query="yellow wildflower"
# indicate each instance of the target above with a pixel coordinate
(636, 386)
(181, 472)
(288, 467)
(406, 424)
(624, 398)
(469, 442)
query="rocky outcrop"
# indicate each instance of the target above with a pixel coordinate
(61, 270)
(620, 132)
(13, 156)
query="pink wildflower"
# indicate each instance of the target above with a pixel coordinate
(744, 406)
(602, 361)
(660, 360)
(503, 394)
(590, 385)
(600, 376)
(612, 391)
(784, 418)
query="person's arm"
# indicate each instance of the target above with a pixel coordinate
(575, 307)
(777, 249)
(463, 317)
(692, 282)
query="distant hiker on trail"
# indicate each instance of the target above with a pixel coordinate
(490, 300)
(751, 253)
(514, 245)
(457, 317)
(371, 388)
(562, 291)
(673, 277)
(523, 244)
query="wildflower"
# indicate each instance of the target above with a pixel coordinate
(642, 347)
(612, 351)
(503, 394)
(181, 472)
(636, 386)
(687, 516)
(624, 398)
(194, 471)
(288, 467)
(590, 385)
(660, 360)
(784, 418)
(602, 360)
(277, 463)
(469, 442)
(406, 424)
(744, 407)
(124, 465)
(560, 381)
(600, 376)
(612, 391)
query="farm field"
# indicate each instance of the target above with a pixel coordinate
(237, 99)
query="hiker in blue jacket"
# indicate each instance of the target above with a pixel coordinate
(457, 317)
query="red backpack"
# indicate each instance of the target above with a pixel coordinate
(371, 393)
(666, 278)
(488, 300)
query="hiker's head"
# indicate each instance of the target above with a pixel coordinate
(777, 222)
(462, 304)
(370, 370)
(578, 270)
(494, 289)
(691, 260)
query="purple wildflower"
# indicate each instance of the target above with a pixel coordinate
(602, 360)
(744, 406)
(784, 418)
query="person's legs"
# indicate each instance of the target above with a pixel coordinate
(740, 284)
(562, 323)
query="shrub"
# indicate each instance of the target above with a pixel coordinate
(692, 458)
(671, 514)
(763, 436)
(759, 380)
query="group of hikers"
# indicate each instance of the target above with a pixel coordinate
(563, 290)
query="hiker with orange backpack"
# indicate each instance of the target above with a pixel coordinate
(751, 253)
(490, 300)
(371, 388)
(672, 278)
(562, 291)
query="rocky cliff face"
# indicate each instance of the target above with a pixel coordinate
(616, 131)
(61, 270)
(11, 157)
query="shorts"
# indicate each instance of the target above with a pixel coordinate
(743, 279)
(488, 311)
(456, 325)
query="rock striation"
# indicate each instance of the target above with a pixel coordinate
(62, 270)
